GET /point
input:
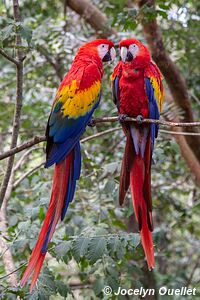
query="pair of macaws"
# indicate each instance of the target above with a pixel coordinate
(137, 92)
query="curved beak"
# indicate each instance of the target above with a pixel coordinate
(123, 53)
(110, 55)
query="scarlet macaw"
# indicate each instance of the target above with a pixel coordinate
(76, 99)
(138, 92)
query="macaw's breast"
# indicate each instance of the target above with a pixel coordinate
(133, 98)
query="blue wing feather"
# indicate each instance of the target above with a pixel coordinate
(65, 132)
(73, 177)
(153, 109)
(115, 91)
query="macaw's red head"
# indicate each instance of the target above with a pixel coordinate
(101, 49)
(134, 51)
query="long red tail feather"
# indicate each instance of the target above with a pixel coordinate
(143, 215)
(60, 184)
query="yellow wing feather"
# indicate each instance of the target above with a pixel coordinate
(155, 76)
(158, 91)
(77, 102)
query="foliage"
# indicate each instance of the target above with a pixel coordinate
(93, 247)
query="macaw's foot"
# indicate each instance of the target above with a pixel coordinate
(91, 123)
(122, 117)
(139, 119)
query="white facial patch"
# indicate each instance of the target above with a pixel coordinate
(134, 49)
(112, 53)
(102, 50)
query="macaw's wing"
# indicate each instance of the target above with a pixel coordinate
(154, 90)
(115, 77)
(75, 102)
(115, 91)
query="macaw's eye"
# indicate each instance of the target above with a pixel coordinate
(133, 48)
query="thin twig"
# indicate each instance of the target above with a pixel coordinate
(99, 134)
(179, 132)
(18, 181)
(13, 271)
(24, 157)
(18, 105)
(28, 144)
(194, 97)
(8, 57)
(79, 286)
(189, 280)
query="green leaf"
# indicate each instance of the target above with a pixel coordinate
(63, 248)
(162, 13)
(80, 247)
(132, 12)
(62, 288)
(134, 239)
(23, 225)
(26, 33)
(120, 224)
(112, 282)
(6, 32)
(113, 244)
(96, 249)
(23, 47)
(164, 6)
(39, 294)
(109, 187)
(111, 167)
(112, 271)
(33, 296)
(98, 286)
(47, 279)
(13, 220)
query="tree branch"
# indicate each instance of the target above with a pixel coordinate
(99, 134)
(8, 57)
(150, 121)
(180, 132)
(39, 139)
(14, 271)
(188, 155)
(22, 159)
(18, 106)
(93, 16)
(29, 172)
(28, 144)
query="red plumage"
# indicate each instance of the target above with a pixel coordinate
(132, 87)
(77, 98)
(134, 95)
(136, 173)
(60, 184)
(143, 212)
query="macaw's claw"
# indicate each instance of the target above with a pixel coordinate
(91, 123)
(122, 117)
(139, 119)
